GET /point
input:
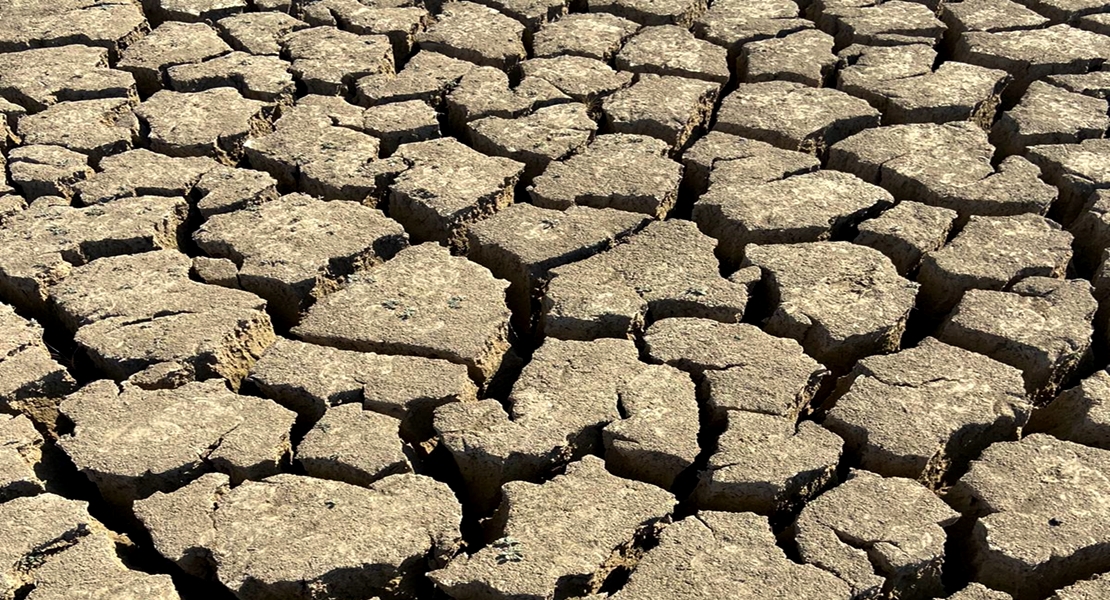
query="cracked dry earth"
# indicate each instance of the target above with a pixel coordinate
(554, 299)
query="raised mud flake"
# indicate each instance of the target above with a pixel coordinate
(143, 173)
(1059, 11)
(170, 44)
(556, 535)
(400, 21)
(97, 128)
(840, 301)
(1042, 522)
(42, 77)
(718, 155)
(446, 187)
(353, 445)
(992, 253)
(1050, 115)
(1089, 589)
(423, 302)
(27, 369)
(672, 109)
(653, 12)
(1035, 54)
(477, 34)
(212, 123)
(592, 35)
(907, 232)
(1098, 23)
(533, 14)
(264, 78)
(1041, 326)
(925, 412)
(879, 23)
(485, 92)
(672, 50)
(52, 549)
(946, 165)
(294, 250)
(546, 135)
(803, 57)
(20, 456)
(805, 208)
(1095, 84)
(978, 591)
(793, 116)
(47, 170)
(55, 238)
(426, 76)
(621, 171)
(408, 523)
(666, 270)
(523, 242)
(193, 11)
(865, 70)
(1080, 414)
(739, 367)
(725, 555)
(882, 536)
(766, 463)
(734, 23)
(131, 313)
(259, 33)
(109, 24)
(401, 123)
(329, 61)
(586, 80)
(132, 442)
(988, 15)
(180, 522)
(1076, 169)
(309, 379)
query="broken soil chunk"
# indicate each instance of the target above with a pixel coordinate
(180, 522)
(626, 172)
(747, 161)
(401, 123)
(924, 412)
(1050, 115)
(840, 301)
(225, 189)
(1041, 523)
(523, 242)
(143, 173)
(652, 12)
(132, 442)
(47, 170)
(882, 536)
(947, 165)
(1089, 589)
(400, 21)
(56, 238)
(1095, 84)
(192, 11)
(1041, 326)
(27, 369)
(125, 328)
(264, 78)
(212, 123)
(993, 253)
(731, 555)
(35, 79)
(329, 61)
(353, 445)
(97, 128)
(584, 79)
(806, 208)
(978, 591)
(52, 549)
(672, 50)
(426, 76)
(672, 109)
(477, 34)
(988, 15)
(592, 35)
(793, 116)
(170, 44)
(907, 232)
(109, 24)
(446, 187)
(308, 379)
(668, 269)
(555, 535)
(804, 57)
(423, 302)
(1080, 414)
(486, 92)
(878, 23)
(20, 457)
(563, 398)
(536, 140)
(259, 33)
(1076, 169)
(249, 528)
(735, 23)
(294, 250)
(740, 367)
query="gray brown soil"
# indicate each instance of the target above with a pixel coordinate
(555, 299)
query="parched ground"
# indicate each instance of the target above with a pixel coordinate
(554, 299)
